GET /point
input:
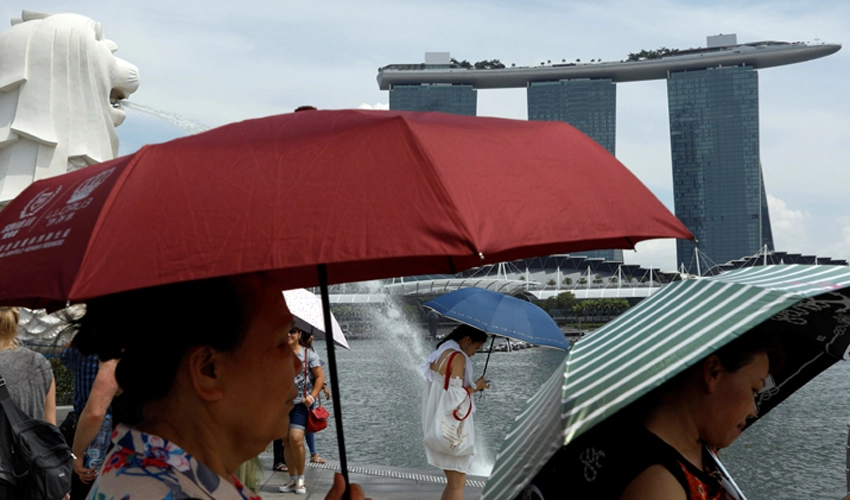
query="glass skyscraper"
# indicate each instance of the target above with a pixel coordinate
(447, 98)
(588, 105)
(718, 188)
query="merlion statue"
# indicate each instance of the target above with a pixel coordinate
(60, 98)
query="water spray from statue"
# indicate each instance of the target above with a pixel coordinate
(185, 124)
(408, 348)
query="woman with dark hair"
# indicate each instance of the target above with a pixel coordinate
(215, 379)
(704, 409)
(662, 447)
(447, 406)
(306, 394)
(310, 437)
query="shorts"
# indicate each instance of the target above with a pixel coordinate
(298, 417)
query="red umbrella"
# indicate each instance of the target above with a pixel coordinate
(351, 195)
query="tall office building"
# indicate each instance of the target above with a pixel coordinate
(717, 182)
(444, 97)
(589, 105)
(713, 104)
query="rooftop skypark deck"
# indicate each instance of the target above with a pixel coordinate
(758, 55)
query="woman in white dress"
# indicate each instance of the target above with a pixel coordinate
(447, 406)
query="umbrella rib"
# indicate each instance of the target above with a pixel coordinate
(98, 225)
(441, 187)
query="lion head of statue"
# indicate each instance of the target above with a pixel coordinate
(61, 88)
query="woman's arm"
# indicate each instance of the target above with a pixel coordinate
(458, 368)
(655, 483)
(104, 389)
(318, 382)
(50, 403)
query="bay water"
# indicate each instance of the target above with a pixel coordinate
(797, 451)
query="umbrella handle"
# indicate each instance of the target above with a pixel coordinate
(492, 339)
(340, 436)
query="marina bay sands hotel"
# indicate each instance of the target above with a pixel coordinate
(713, 106)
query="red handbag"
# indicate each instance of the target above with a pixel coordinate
(317, 418)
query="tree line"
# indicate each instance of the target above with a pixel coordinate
(566, 304)
(485, 64)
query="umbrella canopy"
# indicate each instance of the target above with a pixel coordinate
(500, 314)
(368, 194)
(666, 333)
(321, 197)
(308, 315)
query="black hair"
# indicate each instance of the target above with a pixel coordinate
(151, 329)
(83, 340)
(741, 351)
(303, 338)
(462, 331)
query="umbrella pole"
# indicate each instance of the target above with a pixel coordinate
(340, 437)
(492, 339)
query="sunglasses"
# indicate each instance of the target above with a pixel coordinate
(294, 331)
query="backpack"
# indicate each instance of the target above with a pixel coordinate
(41, 460)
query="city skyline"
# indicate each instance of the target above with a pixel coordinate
(713, 102)
(213, 64)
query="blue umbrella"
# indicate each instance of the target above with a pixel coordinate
(502, 315)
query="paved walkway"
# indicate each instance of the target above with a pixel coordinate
(379, 483)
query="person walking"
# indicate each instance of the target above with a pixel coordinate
(94, 389)
(447, 406)
(310, 437)
(31, 386)
(308, 392)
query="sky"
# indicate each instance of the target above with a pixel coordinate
(204, 64)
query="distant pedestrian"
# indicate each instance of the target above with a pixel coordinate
(94, 389)
(447, 406)
(307, 342)
(308, 391)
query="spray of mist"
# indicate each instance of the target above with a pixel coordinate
(410, 349)
(183, 123)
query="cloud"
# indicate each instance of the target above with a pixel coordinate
(790, 227)
(660, 254)
(841, 248)
(377, 105)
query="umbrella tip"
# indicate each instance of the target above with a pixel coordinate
(305, 108)
(480, 255)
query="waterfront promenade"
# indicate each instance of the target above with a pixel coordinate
(379, 483)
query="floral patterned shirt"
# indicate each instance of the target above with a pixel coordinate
(144, 466)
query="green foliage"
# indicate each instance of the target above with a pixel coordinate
(463, 64)
(485, 64)
(491, 64)
(64, 382)
(562, 303)
(644, 55)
